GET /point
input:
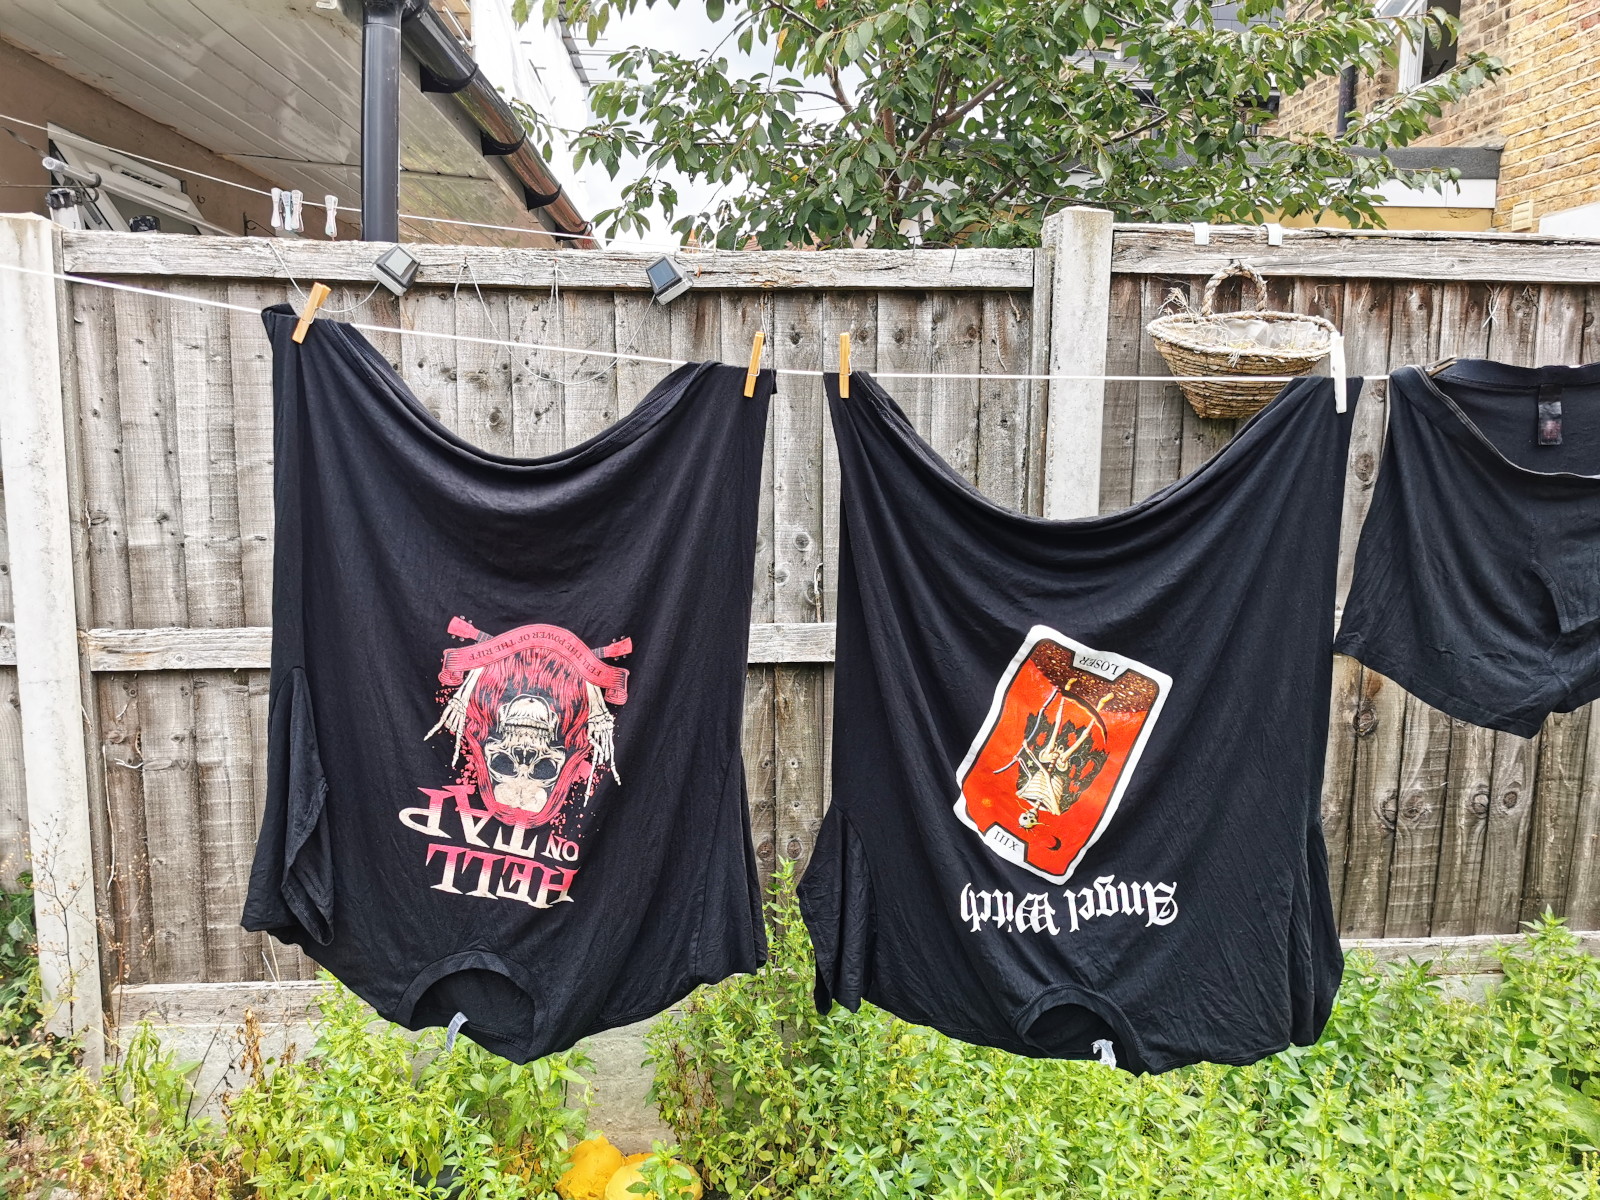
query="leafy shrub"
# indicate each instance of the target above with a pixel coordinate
(372, 1112)
(1410, 1093)
(377, 1112)
(19, 965)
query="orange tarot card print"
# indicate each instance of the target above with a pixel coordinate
(1044, 776)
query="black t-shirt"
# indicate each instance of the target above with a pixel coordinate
(1477, 580)
(504, 772)
(1077, 764)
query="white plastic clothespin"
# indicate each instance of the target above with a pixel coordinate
(451, 1030)
(1274, 234)
(294, 211)
(331, 226)
(1336, 368)
(1202, 233)
(277, 208)
(1108, 1056)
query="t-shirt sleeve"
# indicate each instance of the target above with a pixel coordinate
(291, 883)
(837, 903)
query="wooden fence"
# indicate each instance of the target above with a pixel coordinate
(1435, 828)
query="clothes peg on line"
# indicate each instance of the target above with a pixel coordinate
(844, 366)
(1274, 234)
(1336, 368)
(330, 227)
(319, 293)
(755, 363)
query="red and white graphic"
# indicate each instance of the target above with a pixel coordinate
(529, 711)
(1045, 774)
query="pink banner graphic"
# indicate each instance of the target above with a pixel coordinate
(546, 639)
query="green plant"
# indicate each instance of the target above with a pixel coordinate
(1410, 1093)
(377, 1113)
(889, 123)
(19, 965)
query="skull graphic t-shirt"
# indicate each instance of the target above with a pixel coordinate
(1077, 765)
(504, 783)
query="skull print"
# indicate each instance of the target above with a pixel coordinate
(523, 754)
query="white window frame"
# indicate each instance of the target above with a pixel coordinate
(1410, 51)
(130, 179)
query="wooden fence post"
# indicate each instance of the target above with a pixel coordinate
(1079, 242)
(33, 458)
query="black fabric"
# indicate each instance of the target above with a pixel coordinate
(1187, 917)
(1477, 577)
(582, 858)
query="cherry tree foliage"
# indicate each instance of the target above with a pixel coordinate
(922, 123)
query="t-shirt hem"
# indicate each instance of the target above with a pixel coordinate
(1446, 702)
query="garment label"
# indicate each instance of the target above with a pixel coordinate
(1549, 422)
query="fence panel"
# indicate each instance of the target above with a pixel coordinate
(1435, 827)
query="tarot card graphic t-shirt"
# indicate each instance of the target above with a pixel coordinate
(1077, 764)
(504, 772)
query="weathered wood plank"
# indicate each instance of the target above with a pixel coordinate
(250, 360)
(1158, 421)
(100, 437)
(588, 385)
(538, 415)
(483, 373)
(1124, 337)
(176, 648)
(1424, 750)
(1464, 332)
(156, 568)
(1330, 254)
(957, 322)
(643, 327)
(1380, 724)
(1505, 839)
(157, 255)
(1557, 801)
(1583, 883)
(798, 413)
(1002, 453)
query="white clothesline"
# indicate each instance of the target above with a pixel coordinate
(622, 356)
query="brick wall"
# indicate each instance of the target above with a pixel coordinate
(1551, 124)
(1475, 121)
(1544, 112)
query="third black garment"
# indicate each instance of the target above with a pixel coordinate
(1477, 580)
(1077, 764)
(504, 772)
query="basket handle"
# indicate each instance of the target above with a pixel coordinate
(1237, 267)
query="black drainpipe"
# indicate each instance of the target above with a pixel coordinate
(1347, 99)
(448, 68)
(380, 119)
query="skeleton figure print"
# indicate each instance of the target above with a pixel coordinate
(532, 737)
(528, 712)
(1043, 778)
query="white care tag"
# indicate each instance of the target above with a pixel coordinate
(1108, 1056)
(456, 1022)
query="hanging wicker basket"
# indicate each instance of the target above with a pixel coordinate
(1250, 342)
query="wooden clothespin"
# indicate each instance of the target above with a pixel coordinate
(755, 363)
(1443, 364)
(844, 366)
(319, 293)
